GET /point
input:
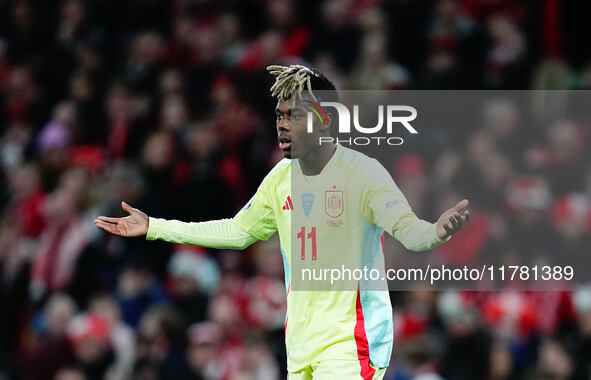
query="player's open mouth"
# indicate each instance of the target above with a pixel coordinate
(284, 143)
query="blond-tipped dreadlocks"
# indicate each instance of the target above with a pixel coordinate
(292, 79)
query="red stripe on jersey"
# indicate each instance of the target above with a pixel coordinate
(289, 200)
(367, 371)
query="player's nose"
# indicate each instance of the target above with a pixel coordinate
(283, 125)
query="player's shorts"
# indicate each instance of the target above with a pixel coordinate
(337, 369)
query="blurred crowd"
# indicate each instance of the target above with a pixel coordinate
(165, 104)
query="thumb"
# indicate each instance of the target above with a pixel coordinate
(126, 207)
(461, 205)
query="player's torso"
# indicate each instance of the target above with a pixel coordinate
(321, 223)
(320, 218)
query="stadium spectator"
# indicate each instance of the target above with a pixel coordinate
(163, 104)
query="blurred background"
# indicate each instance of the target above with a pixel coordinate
(165, 104)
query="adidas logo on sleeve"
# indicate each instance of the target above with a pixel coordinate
(288, 204)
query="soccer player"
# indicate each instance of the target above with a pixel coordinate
(350, 200)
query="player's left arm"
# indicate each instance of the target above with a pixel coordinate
(420, 235)
(390, 210)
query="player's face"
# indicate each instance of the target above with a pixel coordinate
(291, 122)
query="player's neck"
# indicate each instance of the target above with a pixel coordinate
(315, 161)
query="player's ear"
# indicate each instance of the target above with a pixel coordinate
(327, 123)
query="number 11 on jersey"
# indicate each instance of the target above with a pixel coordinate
(312, 236)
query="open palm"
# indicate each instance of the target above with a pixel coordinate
(135, 224)
(453, 219)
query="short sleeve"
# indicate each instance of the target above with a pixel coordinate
(257, 217)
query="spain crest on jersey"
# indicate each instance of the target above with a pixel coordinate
(333, 203)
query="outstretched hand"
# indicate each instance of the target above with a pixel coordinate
(453, 219)
(135, 224)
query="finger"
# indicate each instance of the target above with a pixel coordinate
(126, 207)
(447, 229)
(454, 223)
(461, 205)
(467, 216)
(109, 227)
(108, 219)
(451, 227)
(106, 226)
(459, 220)
(462, 219)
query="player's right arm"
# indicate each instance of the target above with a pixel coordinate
(254, 222)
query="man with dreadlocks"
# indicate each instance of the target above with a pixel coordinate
(329, 334)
